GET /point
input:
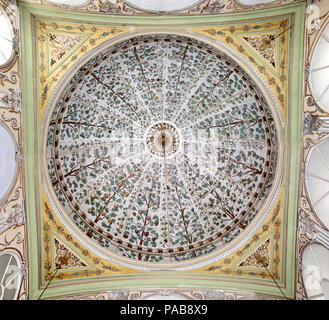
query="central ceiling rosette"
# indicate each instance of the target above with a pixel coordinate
(161, 149)
(162, 139)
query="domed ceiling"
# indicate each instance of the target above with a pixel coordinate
(161, 149)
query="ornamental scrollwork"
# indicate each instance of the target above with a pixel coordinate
(117, 295)
(181, 294)
(12, 78)
(313, 139)
(11, 99)
(12, 218)
(201, 7)
(12, 120)
(18, 237)
(313, 124)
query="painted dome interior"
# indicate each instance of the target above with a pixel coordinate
(161, 148)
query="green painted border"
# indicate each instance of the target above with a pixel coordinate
(28, 13)
(293, 133)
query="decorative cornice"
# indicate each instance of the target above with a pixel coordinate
(122, 7)
(179, 294)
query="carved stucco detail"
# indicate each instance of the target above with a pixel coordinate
(179, 294)
(12, 212)
(11, 99)
(12, 218)
(203, 7)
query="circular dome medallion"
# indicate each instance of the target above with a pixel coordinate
(161, 149)
(162, 139)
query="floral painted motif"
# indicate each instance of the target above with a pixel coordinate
(259, 258)
(264, 45)
(156, 206)
(64, 258)
(60, 45)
